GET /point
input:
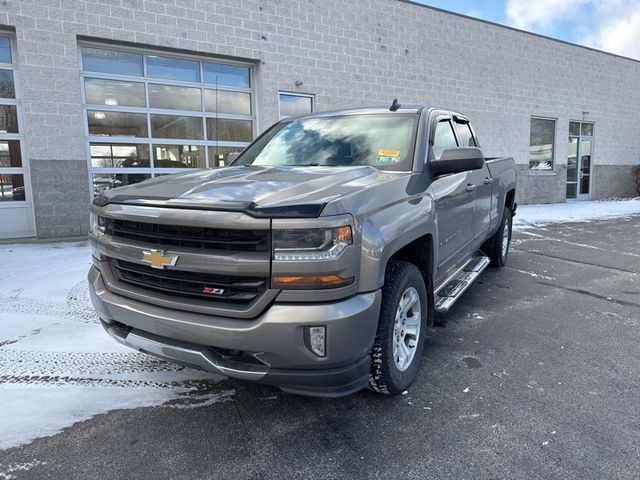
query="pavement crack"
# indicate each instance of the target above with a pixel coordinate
(593, 295)
(581, 262)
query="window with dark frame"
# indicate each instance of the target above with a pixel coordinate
(541, 144)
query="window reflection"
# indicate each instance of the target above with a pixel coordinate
(117, 124)
(176, 98)
(541, 144)
(12, 188)
(8, 119)
(173, 126)
(229, 75)
(218, 156)
(7, 87)
(111, 61)
(107, 181)
(173, 68)
(114, 93)
(178, 156)
(223, 129)
(292, 105)
(112, 155)
(224, 101)
(5, 50)
(10, 155)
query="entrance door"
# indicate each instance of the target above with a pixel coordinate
(580, 160)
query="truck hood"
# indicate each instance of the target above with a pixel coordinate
(259, 191)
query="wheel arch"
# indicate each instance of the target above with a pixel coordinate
(420, 252)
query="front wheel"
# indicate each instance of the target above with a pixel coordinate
(402, 329)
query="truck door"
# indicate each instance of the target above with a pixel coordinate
(482, 181)
(454, 198)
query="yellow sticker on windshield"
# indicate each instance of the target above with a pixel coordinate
(387, 152)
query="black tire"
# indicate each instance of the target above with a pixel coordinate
(493, 248)
(386, 376)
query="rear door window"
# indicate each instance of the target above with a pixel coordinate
(465, 136)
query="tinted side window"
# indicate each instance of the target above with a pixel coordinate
(443, 138)
(464, 135)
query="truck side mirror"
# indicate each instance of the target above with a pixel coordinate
(456, 160)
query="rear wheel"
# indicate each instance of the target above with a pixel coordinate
(402, 328)
(497, 247)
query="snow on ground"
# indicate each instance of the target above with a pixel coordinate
(537, 215)
(57, 364)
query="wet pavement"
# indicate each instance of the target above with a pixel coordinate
(534, 373)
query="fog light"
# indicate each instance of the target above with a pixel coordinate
(317, 340)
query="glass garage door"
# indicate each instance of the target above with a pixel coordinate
(149, 114)
(16, 209)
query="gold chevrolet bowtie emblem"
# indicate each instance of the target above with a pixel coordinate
(157, 259)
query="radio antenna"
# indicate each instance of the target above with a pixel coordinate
(394, 106)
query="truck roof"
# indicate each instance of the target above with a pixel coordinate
(360, 111)
(409, 108)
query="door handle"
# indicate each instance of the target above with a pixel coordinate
(488, 180)
(470, 187)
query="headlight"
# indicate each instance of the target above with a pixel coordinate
(97, 225)
(310, 244)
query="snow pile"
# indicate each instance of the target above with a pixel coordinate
(536, 215)
(57, 364)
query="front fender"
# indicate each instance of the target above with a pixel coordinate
(388, 230)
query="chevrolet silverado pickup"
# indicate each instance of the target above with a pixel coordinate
(316, 260)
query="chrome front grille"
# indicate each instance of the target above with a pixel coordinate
(208, 287)
(203, 238)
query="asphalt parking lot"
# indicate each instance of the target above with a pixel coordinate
(533, 374)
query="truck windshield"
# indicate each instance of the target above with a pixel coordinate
(382, 141)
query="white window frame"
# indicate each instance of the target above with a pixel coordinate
(146, 80)
(296, 94)
(16, 101)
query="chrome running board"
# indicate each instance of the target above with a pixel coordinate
(451, 291)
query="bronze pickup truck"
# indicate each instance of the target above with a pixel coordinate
(316, 260)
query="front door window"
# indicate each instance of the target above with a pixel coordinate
(580, 160)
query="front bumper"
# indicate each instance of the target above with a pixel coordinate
(273, 342)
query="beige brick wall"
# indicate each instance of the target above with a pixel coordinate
(347, 53)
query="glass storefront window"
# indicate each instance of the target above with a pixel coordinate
(120, 124)
(114, 93)
(224, 101)
(8, 119)
(222, 129)
(541, 143)
(5, 50)
(111, 61)
(114, 155)
(229, 75)
(10, 155)
(174, 112)
(218, 156)
(7, 87)
(12, 188)
(174, 98)
(173, 68)
(106, 181)
(178, 156)
(174, 126)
